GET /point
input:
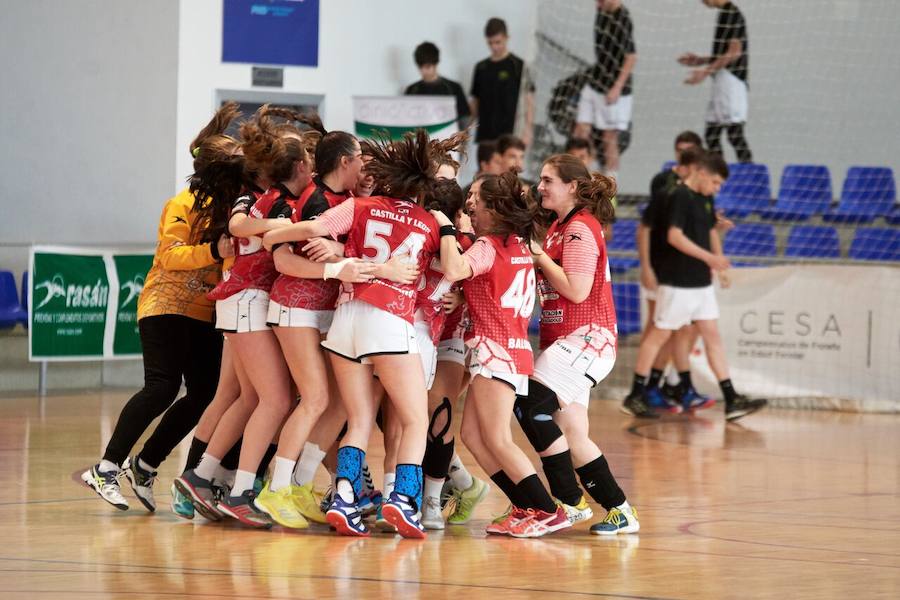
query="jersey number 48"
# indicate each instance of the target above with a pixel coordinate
(520, 295)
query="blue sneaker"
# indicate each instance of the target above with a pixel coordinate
(369, 502)
(660, 402)
(346, 518)
(181, 504)
(693, 400)
(617, 521)
(401, 512)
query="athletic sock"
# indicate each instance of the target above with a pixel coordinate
(653, 380)
(368, 484)
(207, 466)
(198, 447)
(433, 489)
(561, 477)
(599, 482)
(510, 489)
(638, 385)
(281, 474)
(459, 475)
(146, 467)
(532, 488)
(389, 479)
(107, 466)
(309, 462)
(409, 483)
(243, 481)
(727, 391)
(349, 469)
(686, 382)
(266, 459)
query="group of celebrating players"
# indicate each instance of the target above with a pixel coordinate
(356, 286)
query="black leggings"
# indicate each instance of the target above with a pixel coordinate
(735, 136)
(174, 346)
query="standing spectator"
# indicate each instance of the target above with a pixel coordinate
(606, 99)
(512, 151)
(490, 161)
(427, 57)
(496, 85)
(581, 149)
(729, 67)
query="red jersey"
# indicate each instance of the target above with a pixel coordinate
(253, 267)
(297, 292)
(577, 244)
(377, 228)
(500, 296)
(455, 323)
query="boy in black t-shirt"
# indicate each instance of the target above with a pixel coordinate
(427, 57)
(685, 294)
(496, 85)
(729, 66)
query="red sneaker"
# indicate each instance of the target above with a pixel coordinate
(540, 523)
(501, 525)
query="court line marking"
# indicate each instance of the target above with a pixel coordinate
(232, 573)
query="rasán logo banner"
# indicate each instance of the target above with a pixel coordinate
(395, 115)
(84, 303)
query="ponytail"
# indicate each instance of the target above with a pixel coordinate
(593, 190)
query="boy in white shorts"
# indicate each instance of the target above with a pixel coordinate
(685, 294)
(606, 101)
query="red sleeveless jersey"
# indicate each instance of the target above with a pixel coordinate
(297, 292)
(500, 299)
(382, 227)
(253, 267)
(559, 316)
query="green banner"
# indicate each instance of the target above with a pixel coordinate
(395, 115)
(84, 303)
(131, 270)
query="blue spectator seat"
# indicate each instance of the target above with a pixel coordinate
(622, 264)
(25, 297)
(807, 241)
(627, 299)
(667, 166)
(876, 244)
(868, 192)
(11, 311)
(805, 190)
(893, 218)
(748, 189)
(624, 236)
(750, 239)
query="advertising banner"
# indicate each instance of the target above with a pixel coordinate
(398, 114)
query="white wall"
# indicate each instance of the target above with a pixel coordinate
(824, 79)
(365, 48)
(87, 121)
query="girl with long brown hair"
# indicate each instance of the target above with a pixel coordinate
(499, 286)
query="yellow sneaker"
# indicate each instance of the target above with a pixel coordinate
(466, 500)
(580, 512)
(281, 507)
(306, 502)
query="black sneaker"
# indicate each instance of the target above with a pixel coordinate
(200, 493)
(742, 406)
(672, 392)
(636, 406)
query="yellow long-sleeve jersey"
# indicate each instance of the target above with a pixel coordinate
(182, 272)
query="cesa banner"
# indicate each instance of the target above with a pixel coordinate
(395, 115)
(84, 303)
(271, 32)
(810, 331)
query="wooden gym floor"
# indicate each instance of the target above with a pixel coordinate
(786, 504)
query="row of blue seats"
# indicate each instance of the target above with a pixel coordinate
(13, 307)
(758, 239)
(805, 190)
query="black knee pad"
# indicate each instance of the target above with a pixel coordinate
(535, 415)
(438, 455)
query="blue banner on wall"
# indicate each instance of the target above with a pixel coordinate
(272, 32)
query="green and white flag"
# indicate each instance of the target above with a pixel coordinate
(396, 115)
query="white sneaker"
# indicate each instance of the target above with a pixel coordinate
(431, 514)
(106, 484)
(141, 482)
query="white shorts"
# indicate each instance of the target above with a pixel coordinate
(360, 330)
(728, 104)
(677, 306)
(286, 316)
(453, 350)
(427, 351)
(593, 109)
(571, 367)
(243, 312)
